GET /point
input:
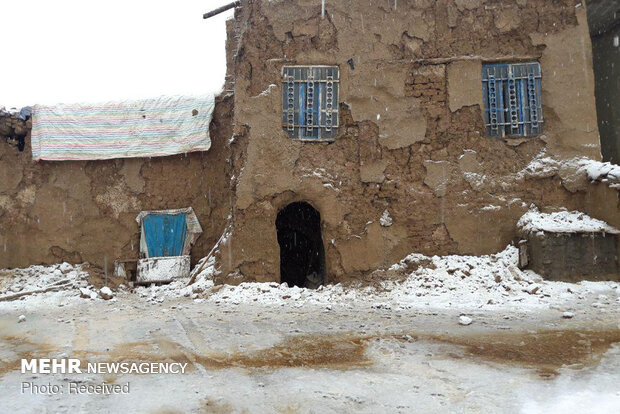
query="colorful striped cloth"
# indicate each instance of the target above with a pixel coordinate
(127, 129)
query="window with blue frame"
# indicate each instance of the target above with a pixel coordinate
(310, 102)
(511, 93)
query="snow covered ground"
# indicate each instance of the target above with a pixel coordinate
(41, 285)
(406, 344)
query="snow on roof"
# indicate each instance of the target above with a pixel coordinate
(562, 222)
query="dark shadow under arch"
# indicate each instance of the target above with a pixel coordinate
(302, 256)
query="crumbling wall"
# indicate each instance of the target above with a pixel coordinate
(412, 141)
(85, 211)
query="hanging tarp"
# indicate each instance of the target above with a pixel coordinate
(166, 233)
(127, 129)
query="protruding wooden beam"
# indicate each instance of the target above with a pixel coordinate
(221, 9)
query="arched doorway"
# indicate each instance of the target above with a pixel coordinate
(302, 256)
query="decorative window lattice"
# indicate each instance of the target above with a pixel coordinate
(512, 99)
(310, 102)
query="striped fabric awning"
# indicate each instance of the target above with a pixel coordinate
(127, 129)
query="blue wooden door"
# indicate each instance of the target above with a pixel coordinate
(165, 234)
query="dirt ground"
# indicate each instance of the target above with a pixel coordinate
(349, 357)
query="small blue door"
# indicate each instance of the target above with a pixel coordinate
(165, 234)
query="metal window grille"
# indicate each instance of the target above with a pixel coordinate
(310, 102)
(512, 99)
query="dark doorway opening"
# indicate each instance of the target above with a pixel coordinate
(302, 256)
(604, 23)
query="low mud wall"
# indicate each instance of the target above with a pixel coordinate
(85, 211)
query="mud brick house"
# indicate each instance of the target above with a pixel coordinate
(379, 128)
(350, 133)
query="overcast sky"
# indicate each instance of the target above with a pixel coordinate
(87, 51)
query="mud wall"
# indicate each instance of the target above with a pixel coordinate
(573, 257)
(412, 140)
(85, 211)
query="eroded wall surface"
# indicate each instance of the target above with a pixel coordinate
(412, 140)
(85, 211)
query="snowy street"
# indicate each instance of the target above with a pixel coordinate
(304, 206)
(352, 356)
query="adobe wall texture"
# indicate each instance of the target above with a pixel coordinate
(85, 211)
(412, 139)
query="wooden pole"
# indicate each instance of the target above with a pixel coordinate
(221, 9)
(56, 286)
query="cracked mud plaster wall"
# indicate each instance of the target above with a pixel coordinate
(411, 140)
(85, 211)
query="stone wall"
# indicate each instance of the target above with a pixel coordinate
(85, 211)
(412, 140)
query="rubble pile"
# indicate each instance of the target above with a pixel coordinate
(417, 280)
(66, 278)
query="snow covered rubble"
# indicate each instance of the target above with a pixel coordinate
(595, 171)
(466, 282)
(601, 171)
(562, 222)
(575, 173)
(58, 280)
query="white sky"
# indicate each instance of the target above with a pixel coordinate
(91, 51)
